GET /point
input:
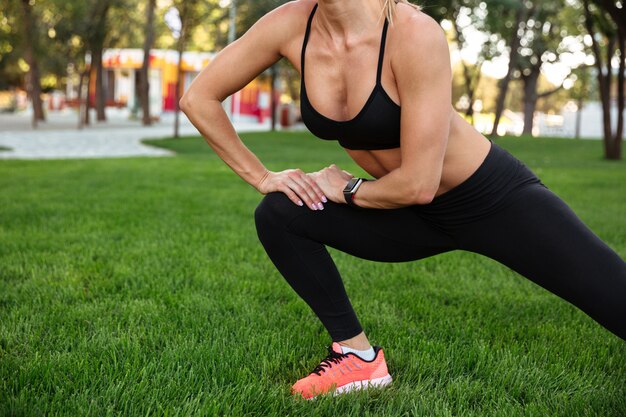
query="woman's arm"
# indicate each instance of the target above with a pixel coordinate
(232, 69)
(421, 65)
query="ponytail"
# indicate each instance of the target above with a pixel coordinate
(389, 7)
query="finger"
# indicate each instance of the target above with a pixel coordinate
(299, 177)
(291, 195)
(315, 191)
(302, 192)
(316, 188)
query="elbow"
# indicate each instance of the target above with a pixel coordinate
(189, 102)
(184, 104)
(422, 196)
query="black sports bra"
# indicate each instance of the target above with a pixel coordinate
(376, 126)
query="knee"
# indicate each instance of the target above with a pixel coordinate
(275, 209)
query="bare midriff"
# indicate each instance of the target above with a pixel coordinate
(465, 152)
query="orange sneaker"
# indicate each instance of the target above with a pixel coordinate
(343, 372)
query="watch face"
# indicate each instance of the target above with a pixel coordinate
(351, 184)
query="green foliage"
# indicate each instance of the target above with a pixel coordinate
(543, 32)
(138, 287)
(251, 11)
(10, 72)
(583, 88)
(191, 14)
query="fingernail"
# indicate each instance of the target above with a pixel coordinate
(320, 206)
(313, 206)
(324, 199)
(300, 203)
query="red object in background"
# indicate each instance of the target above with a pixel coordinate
(284, 117)
(170, 97)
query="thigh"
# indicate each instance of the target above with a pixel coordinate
(395, 235)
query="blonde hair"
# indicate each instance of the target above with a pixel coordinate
(389, 8)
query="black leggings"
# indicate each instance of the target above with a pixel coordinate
(502, 211)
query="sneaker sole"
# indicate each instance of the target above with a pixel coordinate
(359, 385)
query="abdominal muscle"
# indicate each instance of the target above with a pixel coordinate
(465, 151)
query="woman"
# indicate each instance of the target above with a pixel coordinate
(378, 79)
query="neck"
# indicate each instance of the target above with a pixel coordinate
(346, 19)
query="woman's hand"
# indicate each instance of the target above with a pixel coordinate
(332, 180)
(297, 185)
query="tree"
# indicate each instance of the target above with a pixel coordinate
(508, 29)
(216, 34)
(473, 13)
(502, 21)
(541, 43)
(144, 90)
(71, 33)
(250, 12)
(190, 14)
(606, 25)
(83, 30)
(29, 24)
(67, 38)
(97, 39)
(10, 39)
(580, 91)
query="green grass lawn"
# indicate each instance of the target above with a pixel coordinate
(138, 287)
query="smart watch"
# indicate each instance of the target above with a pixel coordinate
(350, 189)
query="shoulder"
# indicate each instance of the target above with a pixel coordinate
(411, 22)
(415, 37)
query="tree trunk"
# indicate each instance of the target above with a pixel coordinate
(618, 14)
(458, 37)
(579, 115)
(471, 83)
(99, 73)
(81, 83)
(272, 98)
(616, 151)
(96, 42)
(530, 99)
(520, 16)
(89, 74)
(34, 78)
(612, 144)
(470, 110)
(144, 90)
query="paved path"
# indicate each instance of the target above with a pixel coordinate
(119, 137)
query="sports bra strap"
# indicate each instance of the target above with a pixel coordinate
(379, 70)
(306, 38)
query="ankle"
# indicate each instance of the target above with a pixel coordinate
(355, 345)
(358, 342)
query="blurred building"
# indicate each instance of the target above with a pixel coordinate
(122, 79)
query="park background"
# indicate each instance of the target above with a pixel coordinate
(137, 285)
